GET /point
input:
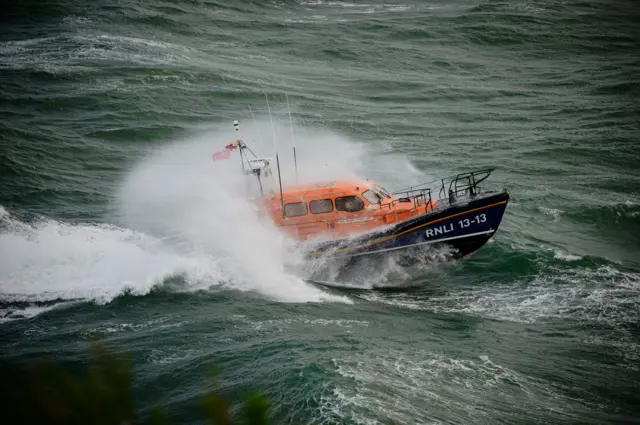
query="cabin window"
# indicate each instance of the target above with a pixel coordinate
(383, 191)
(372, 197)
(349, 204)
(295, 209)
(320, 206)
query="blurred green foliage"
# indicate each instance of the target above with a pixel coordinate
(103, 395)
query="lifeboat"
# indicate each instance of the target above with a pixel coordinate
(348, 218)
(357, 217)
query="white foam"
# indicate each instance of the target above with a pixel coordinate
(80, 52)
(13, 313)
(604, 295)
(283, 325)
(51, 260)
(179, 194)
(397, 8)
(163, 322)
(406, 386)
(560, 255)
(395, 269)
(553, 212)
(135, 41)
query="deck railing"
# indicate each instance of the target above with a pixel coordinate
(465, 183)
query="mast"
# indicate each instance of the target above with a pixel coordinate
(237, 127)
(293, 141)
(257, 128)
(241, 148)
(275, 145)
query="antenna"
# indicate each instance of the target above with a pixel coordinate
(275, 145)
(277, 159)
(293, 141)
(257, 128)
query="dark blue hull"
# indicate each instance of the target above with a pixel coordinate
(465, 225)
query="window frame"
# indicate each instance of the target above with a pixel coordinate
(306, 209)
(375, 195)
(384, 192)
(320, 200)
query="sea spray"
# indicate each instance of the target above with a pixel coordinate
(200, 207)
(47, 262)
(181, 213)
(179, 193)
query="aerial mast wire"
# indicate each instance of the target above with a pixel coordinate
(257, 128)
(293, 141)
(275, 145)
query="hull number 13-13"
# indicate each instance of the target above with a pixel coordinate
(481, 218)
(448, 227)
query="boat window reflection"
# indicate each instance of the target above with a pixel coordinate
(349, 204)
(321, 206)
(383, 191)
(371, 196)
(295, 209)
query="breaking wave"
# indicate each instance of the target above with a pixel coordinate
(181, 215)
(49, 262)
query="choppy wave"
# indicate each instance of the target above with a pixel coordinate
(402, 385)
(48, 263)
(540, 325)
(601, 294)
(88, 53)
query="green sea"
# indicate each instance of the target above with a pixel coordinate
(115, 222)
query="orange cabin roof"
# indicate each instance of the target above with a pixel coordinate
(321, 189)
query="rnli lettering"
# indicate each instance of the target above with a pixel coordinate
(440, 230)
(450, 227)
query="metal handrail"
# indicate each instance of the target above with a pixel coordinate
(468, 183)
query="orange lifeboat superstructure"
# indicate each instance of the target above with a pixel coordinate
(356, 217)
(340, 208)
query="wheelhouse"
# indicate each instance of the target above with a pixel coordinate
(337, 208)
